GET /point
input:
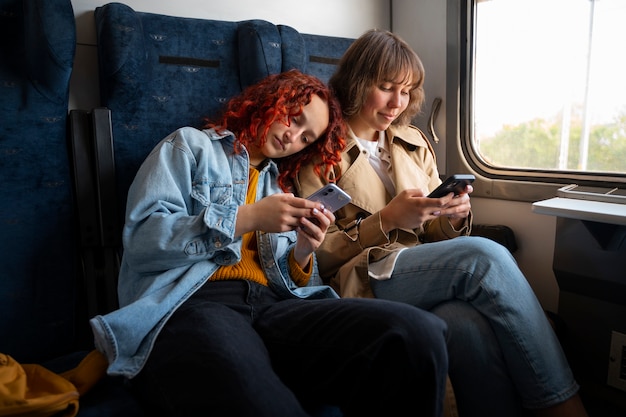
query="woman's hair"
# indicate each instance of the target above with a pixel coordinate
(374, 58)
(280, 98)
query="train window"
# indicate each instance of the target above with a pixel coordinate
(548, 90)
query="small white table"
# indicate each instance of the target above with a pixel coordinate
(571, 208)
(590, 267)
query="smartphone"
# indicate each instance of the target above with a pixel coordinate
(332, 197)
(454, 184)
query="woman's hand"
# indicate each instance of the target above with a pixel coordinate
(311, 233)
(411, 208)
(275, 213)
(284, 212)
(456, 208)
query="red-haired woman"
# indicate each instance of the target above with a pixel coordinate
(222, 310)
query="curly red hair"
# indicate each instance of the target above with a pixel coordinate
(279, 98)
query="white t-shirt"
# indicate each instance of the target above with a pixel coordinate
(380, 158)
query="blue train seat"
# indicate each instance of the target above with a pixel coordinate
(313, 54)
(159, 73)
(39, 271)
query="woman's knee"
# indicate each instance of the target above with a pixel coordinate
(487, 248)
(400, 320)
(420, 329)
(490, 262)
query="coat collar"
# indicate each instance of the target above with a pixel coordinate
(408, 136)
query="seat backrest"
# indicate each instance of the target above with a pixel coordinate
(159, 73)
(317, 55)
(38, 269)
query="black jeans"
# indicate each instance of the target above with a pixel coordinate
(235, 349)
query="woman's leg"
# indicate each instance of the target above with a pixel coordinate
(233, 349)
(484, 273)
(209, 360)
(370, 357)
(481, 382)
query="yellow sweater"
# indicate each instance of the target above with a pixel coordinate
(249, 267)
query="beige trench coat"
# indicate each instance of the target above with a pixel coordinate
(356, 238)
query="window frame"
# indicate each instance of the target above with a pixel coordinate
(492, 182)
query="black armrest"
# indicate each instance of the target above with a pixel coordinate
(91, 149)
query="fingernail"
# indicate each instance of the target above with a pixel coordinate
(315, 211)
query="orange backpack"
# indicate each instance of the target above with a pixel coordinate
(34, 391)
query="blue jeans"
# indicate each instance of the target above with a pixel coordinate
(482, 384)
(484, 274)
(235, 349)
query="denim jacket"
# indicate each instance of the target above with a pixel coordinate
(179, 229)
